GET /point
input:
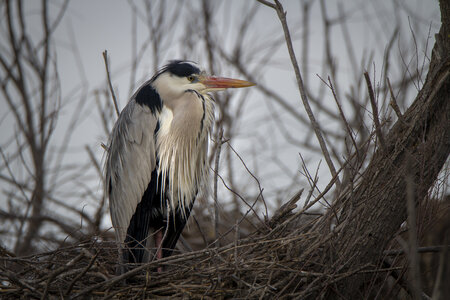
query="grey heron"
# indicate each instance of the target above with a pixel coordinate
(157, 158)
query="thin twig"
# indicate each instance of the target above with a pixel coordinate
(205, 241)
(13, 277)
(94, 257)
(285, 209)
(376, 119)
(344, 119)
(216, 178)
(113, 95)
(318, 132)
(58, 271)
(393, 102)
(251, 174)
(267, 3)
(428, 249)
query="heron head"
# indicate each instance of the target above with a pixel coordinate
(179, 76)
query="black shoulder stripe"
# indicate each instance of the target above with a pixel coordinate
(147, 95)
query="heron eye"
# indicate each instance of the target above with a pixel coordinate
(190, 78)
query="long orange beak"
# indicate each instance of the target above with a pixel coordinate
(213, 82)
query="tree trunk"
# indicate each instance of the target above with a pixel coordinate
(416, 148)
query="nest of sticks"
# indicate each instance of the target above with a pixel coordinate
(282, 259)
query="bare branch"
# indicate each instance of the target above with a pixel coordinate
(282, 16)
(376, 120)
(219, 143)
(111, 89)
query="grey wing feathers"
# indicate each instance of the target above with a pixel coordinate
(129, 163)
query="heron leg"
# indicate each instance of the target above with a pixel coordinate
(158, 244)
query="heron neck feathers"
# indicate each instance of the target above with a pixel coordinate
(182, 149)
